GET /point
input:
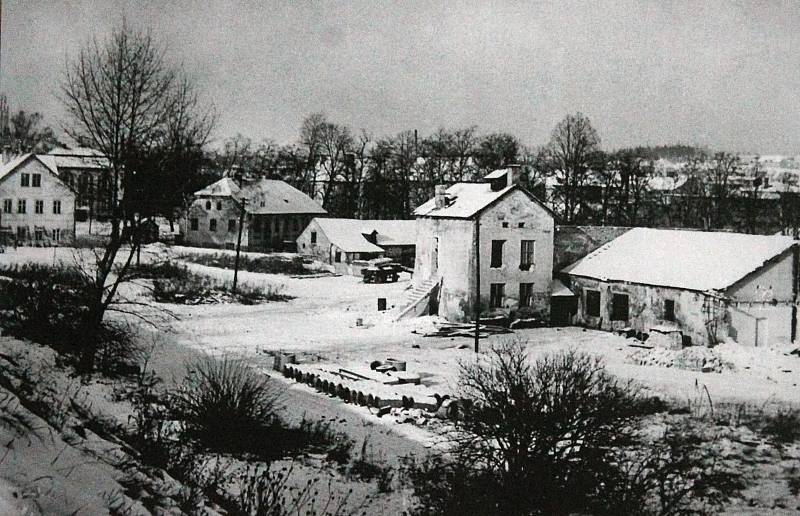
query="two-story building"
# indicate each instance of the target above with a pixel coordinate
(88, 173)
(275, 213)
(495, 227)
(37, 207)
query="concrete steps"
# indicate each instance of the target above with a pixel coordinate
(417, 297)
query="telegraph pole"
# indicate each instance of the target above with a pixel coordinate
(239, 245)
(477, 279)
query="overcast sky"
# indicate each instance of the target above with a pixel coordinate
(722, 74)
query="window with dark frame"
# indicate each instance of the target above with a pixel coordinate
(593, 303)
(37, 180)
(24, 179)
(669, 310)
(526, 254)
(497, 253)
(337, 257)
(219, 205)
(208, 205)
(496, 295)
(212, 225)
(7, 205)
(22, 206)
(38, 206)
(57, 207)
(525, 294)
(619, 307)
(313, 237)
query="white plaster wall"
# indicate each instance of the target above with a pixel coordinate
(203, 236)
(51, 189)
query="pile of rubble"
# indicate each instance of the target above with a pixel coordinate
(206, 297)
(693, 358)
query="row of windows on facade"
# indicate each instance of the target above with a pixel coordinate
(194, 225)
(620, 305)
(526, 253)
(39, 234)
(22, 206)
(497, 295)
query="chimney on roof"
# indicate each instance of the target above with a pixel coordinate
(439, 196)
(514, 176)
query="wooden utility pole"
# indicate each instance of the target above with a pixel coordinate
(477, 280)
(238, 245)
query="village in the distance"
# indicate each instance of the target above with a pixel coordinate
(448, 322)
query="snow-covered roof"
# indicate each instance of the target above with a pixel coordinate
(464, 200)
(692, 260)
(225, 187)
(273, 196)
(19, 160)
(264, 197)
(348, 235)
(79, 157)
(393, 232)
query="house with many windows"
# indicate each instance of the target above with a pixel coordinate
(703, 286)
(37, 206)
(273, 212)
(495, 227)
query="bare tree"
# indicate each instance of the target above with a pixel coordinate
(568, 157)
(723, 168)
(27, 135)
(123, 98)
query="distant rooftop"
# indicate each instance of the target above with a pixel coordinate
(349, 235)
(264, 196)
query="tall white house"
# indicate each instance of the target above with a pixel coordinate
(36, 207)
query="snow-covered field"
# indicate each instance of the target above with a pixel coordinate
(321, 322)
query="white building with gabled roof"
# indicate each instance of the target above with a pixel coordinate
(707, 285)
(496, 227)
(36, 206)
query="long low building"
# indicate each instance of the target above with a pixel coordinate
(708, 285)
(347, 243)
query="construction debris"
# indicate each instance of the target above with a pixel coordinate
(693, 358)
(466, 330)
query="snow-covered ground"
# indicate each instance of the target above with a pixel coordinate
(322, 321)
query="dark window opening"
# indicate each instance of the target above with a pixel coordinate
(505, 224)
(619, 307)
(337, 257)
(669, 310)
(195, 224)
(37, 181)
(313, 237)
(219, 205)
(231, 224)
(526, 254)
(208, 205)
(497, 253)
(25, 179)
(525, 294)
(38, 206)
(593, 303)
(212, 225)
(496, 294)
(521, 225)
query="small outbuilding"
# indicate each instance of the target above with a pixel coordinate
(708, 285)
(347, 244)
